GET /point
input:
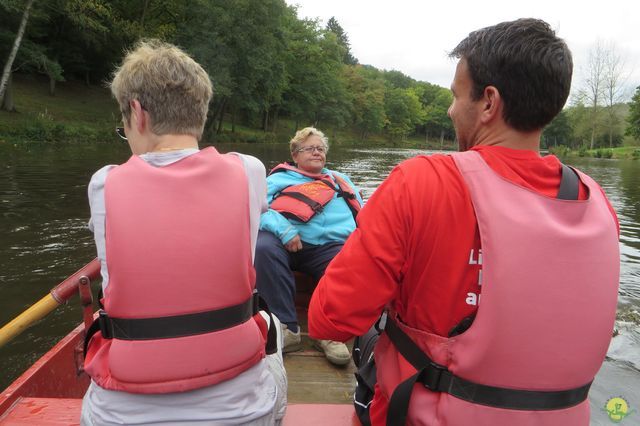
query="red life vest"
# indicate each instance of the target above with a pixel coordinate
(177, 251)
(303, 201)
(544, 322)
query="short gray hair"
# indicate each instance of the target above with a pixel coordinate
(303, 135)
(173, 88)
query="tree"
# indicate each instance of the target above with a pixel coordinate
(343, 40)
(14, 50)
(613, 79)
(366, 86)
(559, 131)
(437, 121)
(579, 120)
(633, 119)
(241, 44)
(397, 79)
(404, 112)
(592, 91)
(314, 70)
(66, 37)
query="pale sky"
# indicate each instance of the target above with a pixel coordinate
(414, 36)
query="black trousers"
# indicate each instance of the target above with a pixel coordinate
(274, 265)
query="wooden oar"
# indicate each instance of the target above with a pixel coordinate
(57, 296)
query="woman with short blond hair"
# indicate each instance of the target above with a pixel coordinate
(176, 262)
(311, 213)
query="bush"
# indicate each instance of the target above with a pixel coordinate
(635, 154)
(560, 150)
(603, 153)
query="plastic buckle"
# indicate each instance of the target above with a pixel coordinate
(104, 323)
(431, 375)
(382, 322)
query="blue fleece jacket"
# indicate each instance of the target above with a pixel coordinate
(334, 223)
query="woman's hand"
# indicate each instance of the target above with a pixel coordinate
(294, 244)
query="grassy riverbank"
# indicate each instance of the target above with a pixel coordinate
(75, 114)
(79, 114)
(622, 152)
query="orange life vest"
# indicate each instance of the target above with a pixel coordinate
(303, 201)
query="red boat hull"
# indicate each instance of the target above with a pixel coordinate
(55, 375)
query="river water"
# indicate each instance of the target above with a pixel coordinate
(44, 238)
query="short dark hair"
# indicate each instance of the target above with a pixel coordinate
(527, 63)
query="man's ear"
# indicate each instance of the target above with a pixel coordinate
(139, 114)
(492, 104)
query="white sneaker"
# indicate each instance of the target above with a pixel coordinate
(291, 341)
(336, 352)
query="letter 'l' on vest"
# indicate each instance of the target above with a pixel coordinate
(549, 296)
(177, 243)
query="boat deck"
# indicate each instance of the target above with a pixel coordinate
(312, 379)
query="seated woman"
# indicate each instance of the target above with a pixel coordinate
(175, 229)
(311, 213)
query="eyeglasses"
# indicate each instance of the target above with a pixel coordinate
(120, 132)
(311, 149)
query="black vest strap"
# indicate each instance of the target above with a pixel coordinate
(315, 206)
(569, 184)
(437, 378)
(178, 325)
(181, 325)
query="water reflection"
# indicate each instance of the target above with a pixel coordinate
(44, 211)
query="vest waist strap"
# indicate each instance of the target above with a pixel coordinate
(438, 378)
(178, 325)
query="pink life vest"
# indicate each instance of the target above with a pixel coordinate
(550, 272)
(303, 201)
(177, 243)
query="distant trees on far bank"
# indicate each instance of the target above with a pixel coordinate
(633, 119)
(265, 62)
(598, 116)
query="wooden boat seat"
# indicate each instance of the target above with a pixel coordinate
(66, 411)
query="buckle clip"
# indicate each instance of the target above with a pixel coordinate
(382, 322)
(104, 322)
(431, 375)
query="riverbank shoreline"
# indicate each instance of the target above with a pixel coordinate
(617, 153)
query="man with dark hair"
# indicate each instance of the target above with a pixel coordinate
(527, 63)
(537, 241)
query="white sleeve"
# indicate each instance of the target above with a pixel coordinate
(97, 221)
(256, 178)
